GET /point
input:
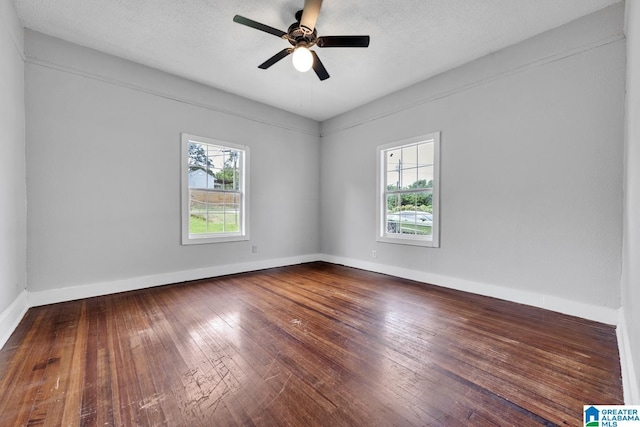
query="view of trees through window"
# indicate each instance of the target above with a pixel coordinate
(409, 189)
(214, 189)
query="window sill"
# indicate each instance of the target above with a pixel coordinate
(205, 239)
(411, 241)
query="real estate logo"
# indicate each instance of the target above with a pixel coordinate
(592, 417)
(611, 415)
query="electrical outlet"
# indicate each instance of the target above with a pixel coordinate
(254, 249)
(374, 254)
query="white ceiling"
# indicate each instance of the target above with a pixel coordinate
(411, 40)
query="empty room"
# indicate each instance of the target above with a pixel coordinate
(319, 213)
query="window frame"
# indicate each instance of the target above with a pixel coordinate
(196, 239)
(382, 234)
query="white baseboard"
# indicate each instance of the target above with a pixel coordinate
(38, 298)
(548, 302)
(629, 382)
(11, 316)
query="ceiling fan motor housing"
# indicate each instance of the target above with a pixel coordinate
(299, 34)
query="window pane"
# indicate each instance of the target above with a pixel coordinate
(210, 177)
(394, 159)
(197, 209)
(425, 177)
(408, 201)
(425, 154)
(228, 174)
(393, 202)
(231, 213)
(198, 159)
(424, 201)
(213, 218)
(393, 180)
(409, 178)
(231, 221)
(410, 157)
(392, 214)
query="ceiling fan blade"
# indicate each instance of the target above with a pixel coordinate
(343, 41)
(275, 58)
(319, 68)
(310, 14)
(258, 26)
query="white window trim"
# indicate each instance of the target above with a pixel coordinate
(432, 241)
(196, 239)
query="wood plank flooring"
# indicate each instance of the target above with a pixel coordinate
(314, 344)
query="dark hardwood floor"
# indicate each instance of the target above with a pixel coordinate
(315, 344)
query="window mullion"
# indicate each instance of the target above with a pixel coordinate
(411, 190)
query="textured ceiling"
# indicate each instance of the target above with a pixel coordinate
(411, 40)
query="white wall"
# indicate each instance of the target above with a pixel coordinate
(103, 149)
(531, 176)
(12, 171)
(631, 248)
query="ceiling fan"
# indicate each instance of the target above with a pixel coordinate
(302, 35)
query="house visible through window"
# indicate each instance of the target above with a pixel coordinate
(214, 191)
(408, 182)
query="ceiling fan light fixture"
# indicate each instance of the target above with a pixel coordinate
(302, 59)
(302, 35)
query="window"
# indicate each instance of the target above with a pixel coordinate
(408, 190)
(215, 189)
